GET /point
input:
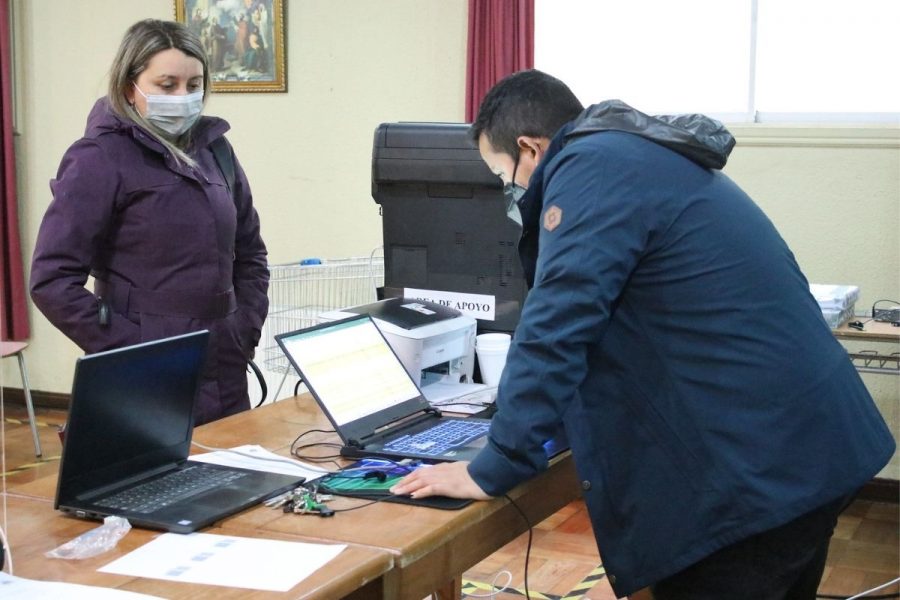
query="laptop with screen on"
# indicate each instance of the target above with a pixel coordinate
(374, 405)
(128, 437)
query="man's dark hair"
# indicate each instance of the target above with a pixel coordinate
(528, 103)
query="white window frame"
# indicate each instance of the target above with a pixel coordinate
(753, 116)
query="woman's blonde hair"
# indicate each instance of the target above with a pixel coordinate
(143, 41)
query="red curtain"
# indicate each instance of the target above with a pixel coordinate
(13, 307)
(501, 42)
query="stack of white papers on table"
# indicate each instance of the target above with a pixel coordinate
(837, 302)
(231, 561)
(459, 397)
(258, 458)
(834, 297)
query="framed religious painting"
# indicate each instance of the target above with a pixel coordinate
(244, 40)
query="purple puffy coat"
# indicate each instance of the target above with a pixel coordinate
(170, 248)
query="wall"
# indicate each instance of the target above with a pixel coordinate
(833, 192)
(352, 64)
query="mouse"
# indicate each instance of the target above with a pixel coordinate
(379, 475)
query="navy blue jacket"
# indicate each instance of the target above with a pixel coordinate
(672, 332)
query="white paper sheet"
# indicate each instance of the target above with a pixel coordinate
(18, 588)
(258, 458)
(231, 561)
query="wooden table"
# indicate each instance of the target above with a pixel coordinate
(872, 331)
(35, 528)
(398, 551)
(431, 547)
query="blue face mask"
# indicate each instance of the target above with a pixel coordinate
(513, 192)
(173, 114)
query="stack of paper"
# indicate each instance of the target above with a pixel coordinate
(836, 301)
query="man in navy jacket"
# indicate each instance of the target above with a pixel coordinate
(717, 426)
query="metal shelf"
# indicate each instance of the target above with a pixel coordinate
(870, 361)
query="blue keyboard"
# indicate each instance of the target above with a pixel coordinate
(440, 438)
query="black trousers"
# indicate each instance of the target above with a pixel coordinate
(784, 563)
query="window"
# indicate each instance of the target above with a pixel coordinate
(738, 60)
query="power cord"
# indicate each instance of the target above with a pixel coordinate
(494, 589)
(866, 593)
(295, 449)
(530, 537)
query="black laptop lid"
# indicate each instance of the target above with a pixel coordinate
(407, 313)
(131, 412)
(354, 375)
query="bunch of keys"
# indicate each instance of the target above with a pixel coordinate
(302, 501)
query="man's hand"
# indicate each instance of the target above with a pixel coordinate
(444, 479)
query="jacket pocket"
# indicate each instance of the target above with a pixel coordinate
(240, 333)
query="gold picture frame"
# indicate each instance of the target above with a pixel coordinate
(243, 39)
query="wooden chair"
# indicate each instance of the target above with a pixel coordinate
(16, 349)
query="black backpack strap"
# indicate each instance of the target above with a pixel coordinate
(223, 156)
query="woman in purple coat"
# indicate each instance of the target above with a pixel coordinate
(141, 204)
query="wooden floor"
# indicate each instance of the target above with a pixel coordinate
(865, 551)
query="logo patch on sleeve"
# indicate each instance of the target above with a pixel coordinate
(552, 218)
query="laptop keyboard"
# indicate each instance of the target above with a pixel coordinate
(440, 438)
(173, 487)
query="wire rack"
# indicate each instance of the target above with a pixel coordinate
(299, 293)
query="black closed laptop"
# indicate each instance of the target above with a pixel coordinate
(372, 402)
(128, 438)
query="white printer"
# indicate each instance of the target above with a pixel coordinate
(435, 343)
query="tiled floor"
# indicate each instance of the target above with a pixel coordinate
(865, 551)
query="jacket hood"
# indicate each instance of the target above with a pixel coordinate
(697, 137)
(102, 119)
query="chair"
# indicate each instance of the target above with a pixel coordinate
(16, 349)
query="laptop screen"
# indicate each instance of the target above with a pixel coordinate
(131, 411)
(350, 368)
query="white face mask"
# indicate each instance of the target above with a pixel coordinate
(173, 114)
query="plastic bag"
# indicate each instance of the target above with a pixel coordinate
(93, 542)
